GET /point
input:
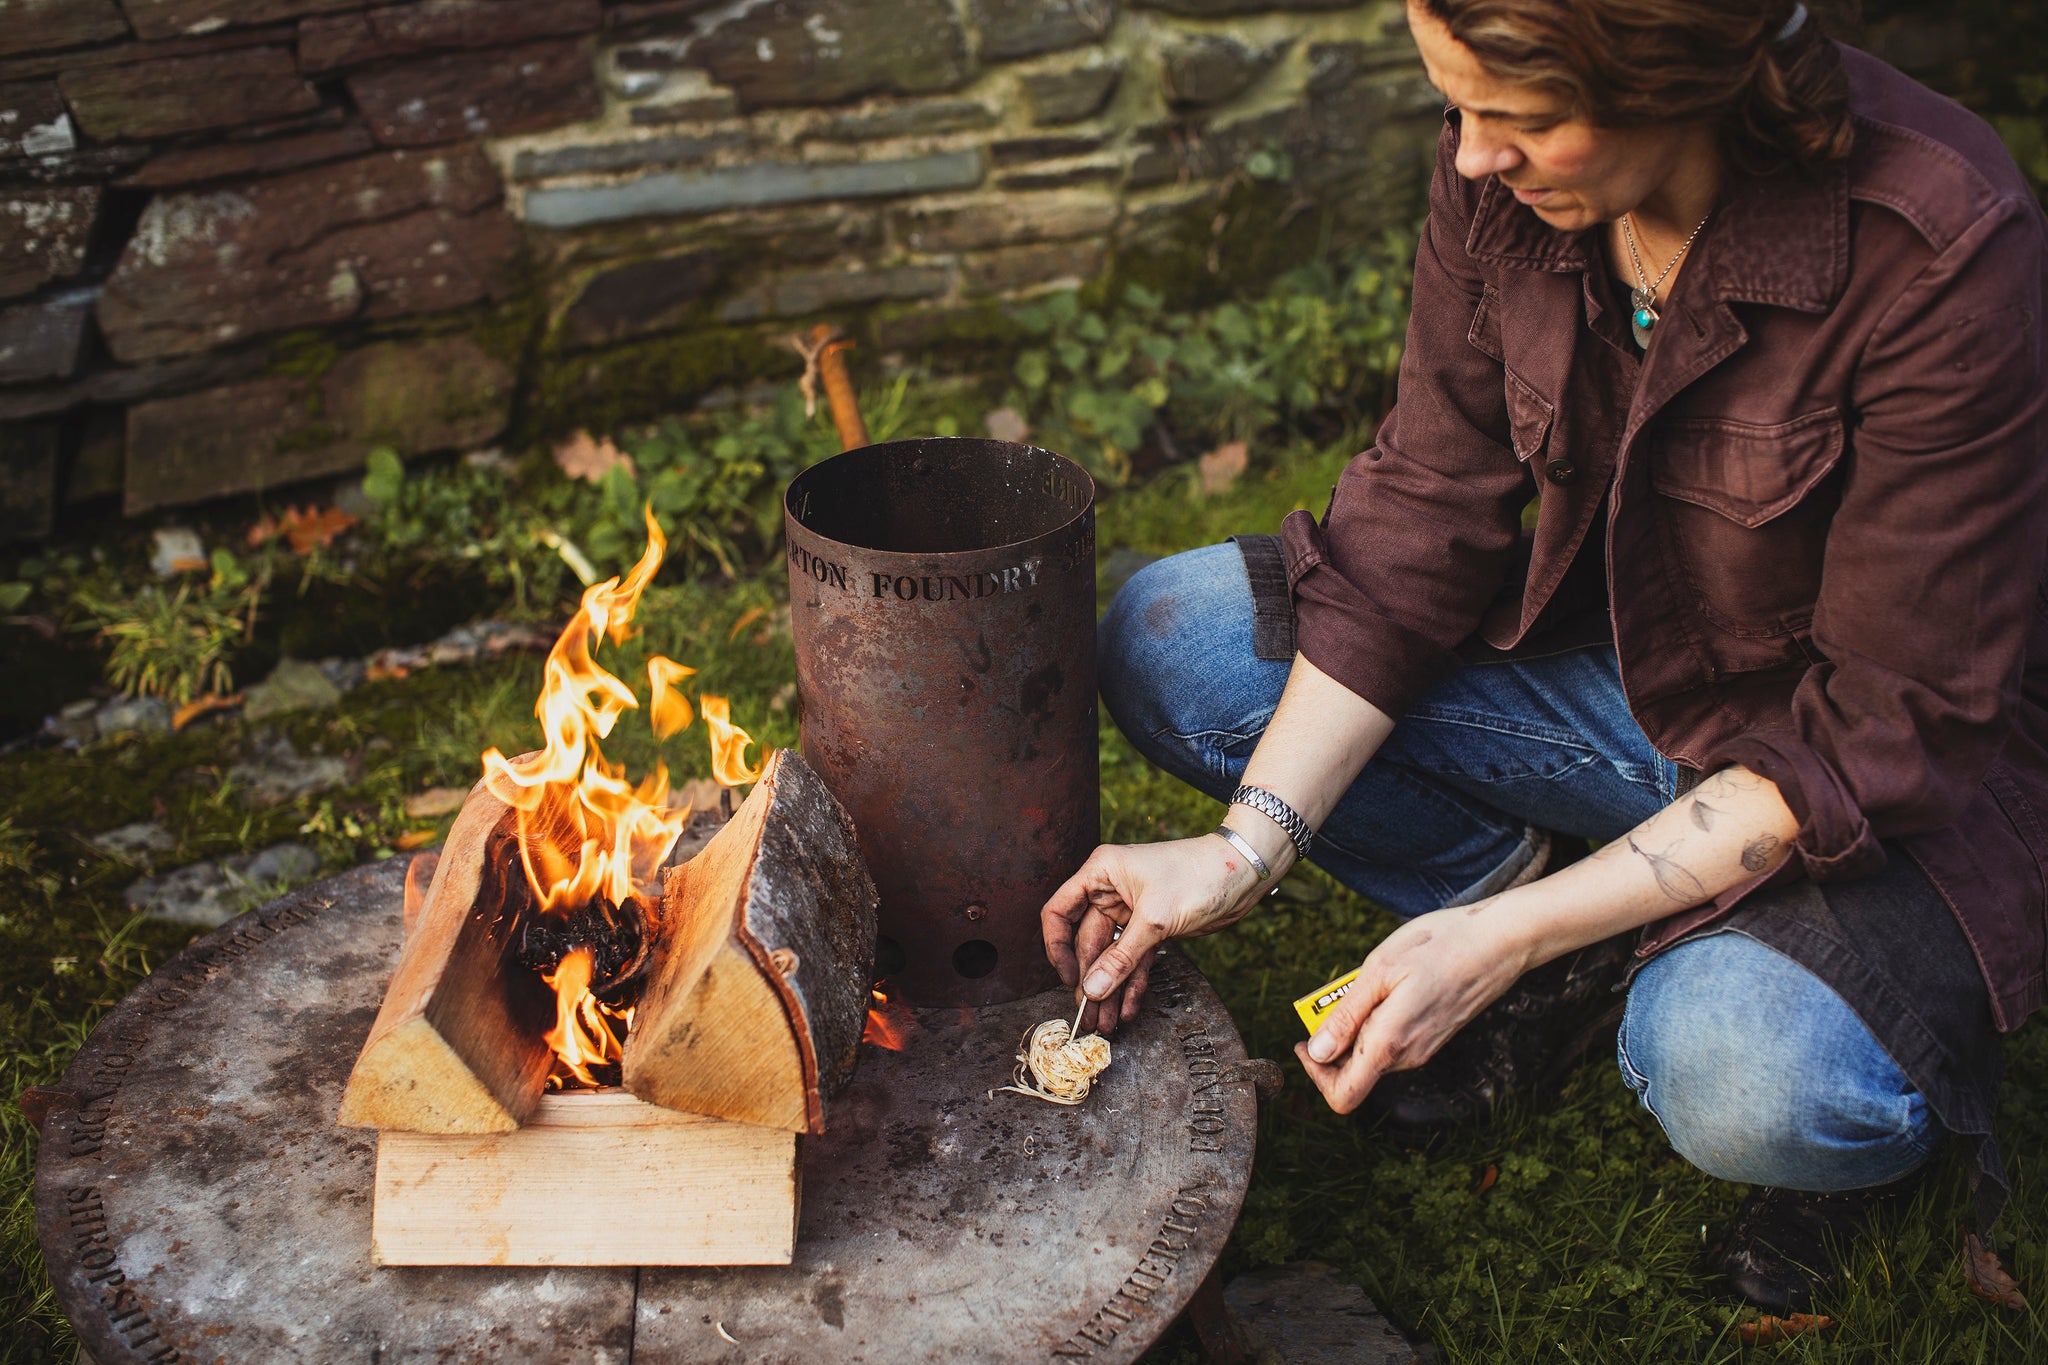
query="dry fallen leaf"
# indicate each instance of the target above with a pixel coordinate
(312, 529)
(1221, 466)
(1767, 1329)
(1007, 424)
(306, 529)
(203, 706)
(435, 802)
(417, 838)
(584, 457)
(1987, 1278)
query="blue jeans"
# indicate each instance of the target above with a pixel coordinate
(1758, 1071)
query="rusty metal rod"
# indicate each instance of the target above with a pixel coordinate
(828, 349)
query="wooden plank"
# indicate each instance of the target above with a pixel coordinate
(757, 997)
(458, 1046)
(594, 1178)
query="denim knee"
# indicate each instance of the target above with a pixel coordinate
(1760, 1073)
(1176, 664)
(1134, 648)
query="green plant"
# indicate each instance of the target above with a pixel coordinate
(1324, 338)
(717, 486)
(174, 643)
(16, 848)
(474, 512)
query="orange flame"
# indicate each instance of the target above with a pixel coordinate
(889, 1022)
(667, 710)
(585, 829)
(582, 1037)
(728, 744)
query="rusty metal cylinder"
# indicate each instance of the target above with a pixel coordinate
(942, 601)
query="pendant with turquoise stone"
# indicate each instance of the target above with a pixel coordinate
(1642, 318)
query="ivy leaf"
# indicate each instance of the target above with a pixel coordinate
(1033, 370)
(386, 475)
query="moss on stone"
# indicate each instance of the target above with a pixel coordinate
(1206, 253)
(605, 390)
(316, 435)
(965, 339)
(307, 355)
(507, 332)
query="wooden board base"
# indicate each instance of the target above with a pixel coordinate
(593, 1178)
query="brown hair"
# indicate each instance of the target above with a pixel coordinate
(1622, 62)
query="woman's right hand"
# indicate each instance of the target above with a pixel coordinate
(1104, 925)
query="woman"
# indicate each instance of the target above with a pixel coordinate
(1756, 322)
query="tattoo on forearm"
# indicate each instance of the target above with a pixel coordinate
(1729, 781)
(1703, 814)
(1673, 880)
(1756, 854)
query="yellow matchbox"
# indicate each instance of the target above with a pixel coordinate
(1314, 1006)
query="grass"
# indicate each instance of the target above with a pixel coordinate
(1582, 1246)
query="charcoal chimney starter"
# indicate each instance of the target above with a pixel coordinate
(942, 601)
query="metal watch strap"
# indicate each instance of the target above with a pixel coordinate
(1279, 812)
(1239, 842)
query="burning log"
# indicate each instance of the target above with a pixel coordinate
(560, 943)
(619, 939)
(459, 1045)
(758, 994)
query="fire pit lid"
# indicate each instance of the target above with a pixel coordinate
(199, 1196)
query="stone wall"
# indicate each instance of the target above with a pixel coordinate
(243, 242)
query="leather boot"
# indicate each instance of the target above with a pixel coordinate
(1522, 1043)
(1781, 1244)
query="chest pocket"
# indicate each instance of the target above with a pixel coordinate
(1747, 510)
(1530, 414)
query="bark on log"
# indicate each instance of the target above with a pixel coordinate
(758, 996)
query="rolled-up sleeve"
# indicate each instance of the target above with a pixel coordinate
(1929, 586)
(1423, 527)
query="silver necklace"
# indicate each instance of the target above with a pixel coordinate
(1642, 318)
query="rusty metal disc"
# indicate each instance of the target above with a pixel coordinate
(198, 1202)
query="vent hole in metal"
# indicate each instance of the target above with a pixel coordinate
(975, 958)
(889, 956)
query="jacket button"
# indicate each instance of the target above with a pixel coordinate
(1561, 471)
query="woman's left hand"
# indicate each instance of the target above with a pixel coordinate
(1421, 985)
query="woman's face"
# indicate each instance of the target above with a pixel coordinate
(1572, 174)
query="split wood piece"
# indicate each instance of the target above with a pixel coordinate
(758, 995)
(458, 1046)
(594, 1178)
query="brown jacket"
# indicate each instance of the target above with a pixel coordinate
(1823, 496)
